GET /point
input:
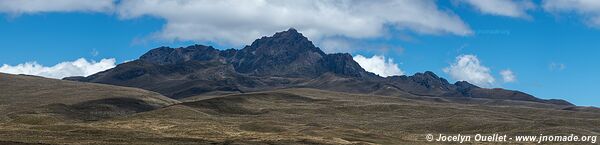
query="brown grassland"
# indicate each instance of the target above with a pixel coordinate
(45, 111)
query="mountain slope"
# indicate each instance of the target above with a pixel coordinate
(285, 60)
(23, 98)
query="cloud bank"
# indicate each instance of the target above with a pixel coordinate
(241, 21)
(79, 67)
(17, 7)
(469, 68)
(379, 65)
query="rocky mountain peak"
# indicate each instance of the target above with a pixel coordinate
(429, 78)
(286, 53)
(286, 42)
(427, 74)
(430, 81)
(290, 33)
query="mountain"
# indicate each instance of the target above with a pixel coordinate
(285, 60)
(278, 90)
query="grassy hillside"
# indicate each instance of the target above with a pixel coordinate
(36, 100)
(305, 116)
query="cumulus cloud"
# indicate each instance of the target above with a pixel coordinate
(590, 9)
(79, 67)
(508, 76)
(509, 8)
(469, 68)
(39, 6)
(379, 65)
(241, 21)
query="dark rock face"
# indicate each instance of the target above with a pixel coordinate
(286, 59)
(287, 53)
(165, 55)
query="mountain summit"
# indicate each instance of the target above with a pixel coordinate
(285, 60)
(287, 54)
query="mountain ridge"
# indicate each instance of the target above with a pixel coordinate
(285, 60)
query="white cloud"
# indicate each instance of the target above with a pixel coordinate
(39, 6)
(508, 76)
(587, 8)
(509, 8)
(241, 21)
(379, 65)
(469, 68)
(79, 67)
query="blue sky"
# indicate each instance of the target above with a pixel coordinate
(550, 47)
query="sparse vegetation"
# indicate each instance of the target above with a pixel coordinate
(286, 116)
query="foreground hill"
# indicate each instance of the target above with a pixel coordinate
(307, 116)
(285, 60)
(23, 97)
